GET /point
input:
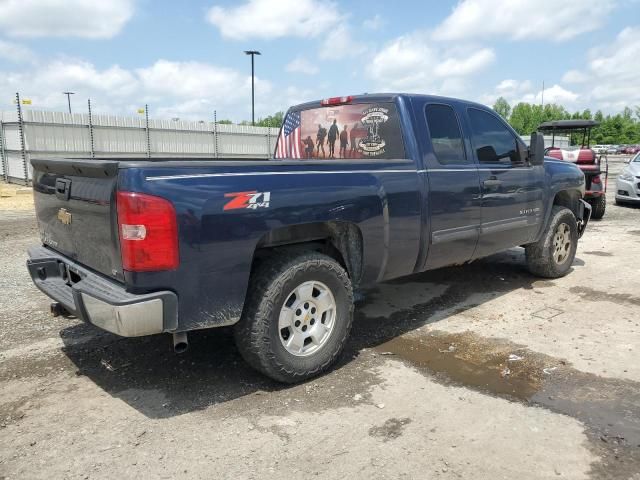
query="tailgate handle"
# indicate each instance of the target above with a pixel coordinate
(63, 188)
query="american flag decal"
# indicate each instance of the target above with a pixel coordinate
(289, 141)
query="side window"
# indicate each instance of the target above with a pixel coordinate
(446, 137)
(494, 143)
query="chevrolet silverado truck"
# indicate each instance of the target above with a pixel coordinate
(361, 189)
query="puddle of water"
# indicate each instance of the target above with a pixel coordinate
(610, 407)
(472, 361)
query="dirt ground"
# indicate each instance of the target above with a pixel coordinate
(481, 371)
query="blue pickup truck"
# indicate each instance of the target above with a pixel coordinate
(361, 189)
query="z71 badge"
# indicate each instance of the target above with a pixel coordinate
(252, 200)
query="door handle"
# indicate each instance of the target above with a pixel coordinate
(492, 183)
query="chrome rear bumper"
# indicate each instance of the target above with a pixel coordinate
(99, 300)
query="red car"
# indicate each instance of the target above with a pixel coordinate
(631, 149)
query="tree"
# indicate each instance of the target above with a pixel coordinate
(274, 121)
(502, 108)
(225, 122)
(622, 128)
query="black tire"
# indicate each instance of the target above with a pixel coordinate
(598, 206)
(541, 258)
(257, 334)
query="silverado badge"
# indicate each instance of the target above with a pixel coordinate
(64, 216)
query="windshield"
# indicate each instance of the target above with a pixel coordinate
(636, 158)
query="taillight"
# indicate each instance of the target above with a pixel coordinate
(596, 180)
(336, 100)
(148, 232)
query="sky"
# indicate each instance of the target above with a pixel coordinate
(185, 58)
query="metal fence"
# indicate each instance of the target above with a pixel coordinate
(26, 134)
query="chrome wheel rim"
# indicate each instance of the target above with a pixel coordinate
(561, 243)
(307, 318)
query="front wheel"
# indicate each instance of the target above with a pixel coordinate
(553, 254)
(297, 317)
(598, 206)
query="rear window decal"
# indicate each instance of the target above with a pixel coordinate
(357, 131)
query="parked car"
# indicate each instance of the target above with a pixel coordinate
(277, 248)
(612, 149)
(600, 149)
(631, 149)
(628, 182)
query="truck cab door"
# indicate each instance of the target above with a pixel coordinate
(454, 197)
(512, 189)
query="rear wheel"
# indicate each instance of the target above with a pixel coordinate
(553, 254)
(598, 206)
(297, 317)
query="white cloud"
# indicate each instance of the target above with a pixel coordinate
(64, 18)
(516, 91)
(554, 94)
(373, 23)
(462, 66)
(339, 44)
(413, 63)
(612, 76)
(302, 65)
(269, 19)
(540, 19)
(511, 86)
(16, 53)
(173, 89)
(574, 76)
(195, 79)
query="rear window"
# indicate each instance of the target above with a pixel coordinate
(361, 131)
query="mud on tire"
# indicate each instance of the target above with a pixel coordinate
(259, 335)
(553, 254)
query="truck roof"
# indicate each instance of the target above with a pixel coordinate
(389, 97)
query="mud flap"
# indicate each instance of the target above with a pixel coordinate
(583, 216)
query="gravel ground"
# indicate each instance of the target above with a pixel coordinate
(480, 371)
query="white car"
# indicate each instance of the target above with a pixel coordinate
(628, 182)
(599, 148)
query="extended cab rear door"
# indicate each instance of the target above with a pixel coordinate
(454, 195)
(512, 189)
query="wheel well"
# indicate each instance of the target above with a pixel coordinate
(569, 199)
(340, 240)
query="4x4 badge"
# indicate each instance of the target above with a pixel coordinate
(252, 200)
(64, 216)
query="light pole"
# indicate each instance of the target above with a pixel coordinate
(68, 94)
(253, 53)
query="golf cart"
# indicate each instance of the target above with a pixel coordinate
(584, 156)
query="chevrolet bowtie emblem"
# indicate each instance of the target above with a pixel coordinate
(64, 216)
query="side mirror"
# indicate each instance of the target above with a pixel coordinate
(536, 149)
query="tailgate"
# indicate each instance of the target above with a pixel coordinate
(75, 208)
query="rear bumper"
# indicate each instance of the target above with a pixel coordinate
(98, 300)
